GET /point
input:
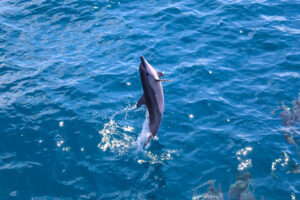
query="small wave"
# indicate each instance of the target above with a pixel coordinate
(287, 29)
(273, 18)
(17, 165)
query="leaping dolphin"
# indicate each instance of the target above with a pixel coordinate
(153, 96)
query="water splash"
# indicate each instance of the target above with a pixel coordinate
(144, 135)
(152, 158)
(282, 161)
(244, 161)
(119, 139)
(142, 144)
(293, 196)
(115, 137)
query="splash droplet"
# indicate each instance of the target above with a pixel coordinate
(66, 149)
(59, 143)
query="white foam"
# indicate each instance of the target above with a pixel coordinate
(144, 135)
(113, 136)
(241, 155)
(120, 139)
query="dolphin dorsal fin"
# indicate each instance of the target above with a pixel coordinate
(160, 74)
(141, 101)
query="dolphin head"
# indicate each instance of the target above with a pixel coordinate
(147, 71)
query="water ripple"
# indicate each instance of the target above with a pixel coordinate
(69, 79)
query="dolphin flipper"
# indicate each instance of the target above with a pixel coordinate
(141, 101)
(160, 74)
(164, 80)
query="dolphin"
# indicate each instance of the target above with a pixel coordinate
(295, 169)
(153, 96)
(240, 189)
(211, 194)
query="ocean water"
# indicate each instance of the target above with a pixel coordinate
(69, 83)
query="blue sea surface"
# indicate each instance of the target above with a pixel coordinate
(69, 83)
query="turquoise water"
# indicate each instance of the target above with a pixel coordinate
(69, 82)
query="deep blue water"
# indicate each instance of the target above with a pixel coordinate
(69, 81)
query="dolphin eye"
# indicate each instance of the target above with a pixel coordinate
(147, 74)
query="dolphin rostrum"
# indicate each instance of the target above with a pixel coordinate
(153, 96)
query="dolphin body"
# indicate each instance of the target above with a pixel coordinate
(211, 194)
(153, 96)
